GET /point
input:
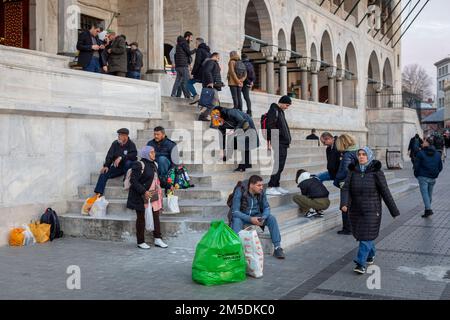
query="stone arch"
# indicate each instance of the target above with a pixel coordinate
(326, 55)
(326, 48)
(282, 40)
(388, 79)
(350, 83)
(299, 42)
(374, 81)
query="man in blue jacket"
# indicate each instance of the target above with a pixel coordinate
(166, 151)
(427, 167)
(250, 207)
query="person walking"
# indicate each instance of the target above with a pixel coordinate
(237, 73)
(427, 167)
(183, 59)
(276, 120)
(117, 56)
(345, 144)
(211, 78)
(414, 147)
(135, 61)
(203, 53)
(145, 187)
(248, 83)
(361, 196)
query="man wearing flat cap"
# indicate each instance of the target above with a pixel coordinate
(119, 159)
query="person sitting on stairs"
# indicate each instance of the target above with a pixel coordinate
(119, 160)
(314, 195)
(166, 152)
(250, 207)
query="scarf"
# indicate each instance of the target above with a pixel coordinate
(370, 158)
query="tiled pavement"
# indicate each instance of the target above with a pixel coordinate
(413, 257)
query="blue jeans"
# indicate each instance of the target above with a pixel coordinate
(164, 165)
(366, 250)
(237, 225)
(324, 176)
(134, 75)
(111, 174)
(93, 66)
(426, 189)
(191, 87)
(181, 81)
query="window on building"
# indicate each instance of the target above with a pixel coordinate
(87, 21)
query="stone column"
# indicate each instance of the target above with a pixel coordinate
(378, 90)
(331, 73)
(315, 68)
(283, 57)
(304, 64)
(339, 87)
(155, 50)
(68, 24)
(269, 53)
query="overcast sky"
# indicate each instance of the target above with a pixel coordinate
(428, 39)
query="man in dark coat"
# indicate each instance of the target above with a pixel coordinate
(203, 53)
(183, 58)
(333, 158)
(276, 120)
(248, 83)
(427, 167)
(362, 192)
(211, 78)
(313, 136)
(118, 58)
(314, 195)
(166, 151)
(119, 160)
(135, 61)
(90, 48)
(414, 147)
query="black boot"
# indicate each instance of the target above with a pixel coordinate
(428, 213)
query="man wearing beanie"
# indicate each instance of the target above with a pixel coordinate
(276, 120)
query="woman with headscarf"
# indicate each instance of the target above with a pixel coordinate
(361, 196)
(145, 186)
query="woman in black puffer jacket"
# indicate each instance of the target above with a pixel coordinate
(362, 192)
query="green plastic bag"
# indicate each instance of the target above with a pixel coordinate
(219, 257)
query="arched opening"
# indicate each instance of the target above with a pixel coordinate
(258, 25)
(374, 84)
(388, 78)
(326, 56)
(299, 45)
(350, 84)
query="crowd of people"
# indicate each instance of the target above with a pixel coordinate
(352, 169)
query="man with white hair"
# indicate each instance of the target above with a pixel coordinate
(314, 198)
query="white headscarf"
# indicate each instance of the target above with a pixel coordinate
(304, 176)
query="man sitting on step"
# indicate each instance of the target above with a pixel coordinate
(166, 151)
(314, 195)
(250, 207)
(119, 159)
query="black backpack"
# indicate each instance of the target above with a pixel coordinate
(244, 204)
(240, 69)
(50, 217)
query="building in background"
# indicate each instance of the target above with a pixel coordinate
(443, 74)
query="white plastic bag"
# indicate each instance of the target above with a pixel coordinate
(29, 239)
(98, 210)
(254, 254)
(149, 223)
(172, 204)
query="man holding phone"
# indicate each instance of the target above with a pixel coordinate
(250, 207)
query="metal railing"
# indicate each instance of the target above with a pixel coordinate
(392, 100)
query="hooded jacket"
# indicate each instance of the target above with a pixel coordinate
(428, 163)
(183, 53)
(312, 187)
(211, 74)
(203, 53)
(276, 119)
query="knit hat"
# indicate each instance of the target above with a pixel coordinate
(285, 100)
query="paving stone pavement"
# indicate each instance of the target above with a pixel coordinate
(413, 258)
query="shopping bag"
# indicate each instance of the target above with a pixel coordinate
(149, 223)
(29, 239)
(254, 254)
(41, 231)
(219, 257)
(99, 207)
(16, 237)
(172, 204)
(88, 205)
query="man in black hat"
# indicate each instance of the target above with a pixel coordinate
(276, 120)
(119, 159)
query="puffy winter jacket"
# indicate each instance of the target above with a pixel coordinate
(428, 163)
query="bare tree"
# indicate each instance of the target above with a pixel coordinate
(416, 81)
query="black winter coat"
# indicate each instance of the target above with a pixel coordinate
(276, 119)
(183, 53)
(135, 60)
(428, 163)
(251, 75)
(211, 74)
(128, 152)
(362, 194)
(333, 160)
(84, 45)
(118, 58)
(313, 188)
(203, 53)
(140, 184)
(235, 120)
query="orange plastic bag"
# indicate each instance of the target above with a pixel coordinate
(16, 237)
(41, 231)
(86, 208)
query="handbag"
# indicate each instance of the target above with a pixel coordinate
(207, 97)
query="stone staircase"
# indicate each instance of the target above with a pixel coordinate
(213, 183)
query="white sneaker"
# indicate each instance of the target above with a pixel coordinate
(282, 191)
(273, 192)
(143, 246)
(160, 243)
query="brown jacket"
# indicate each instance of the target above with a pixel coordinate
(233, 79)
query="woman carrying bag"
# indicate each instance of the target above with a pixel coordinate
(145, 188)
(362, 192)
